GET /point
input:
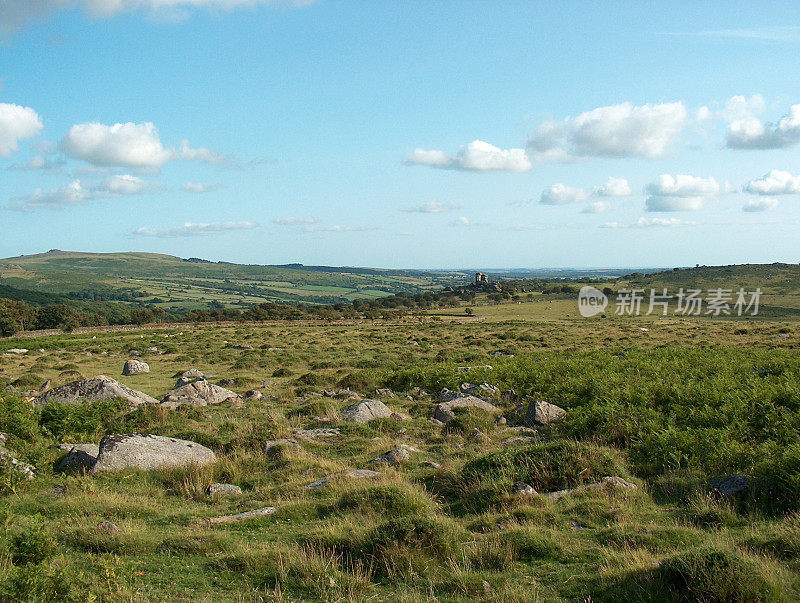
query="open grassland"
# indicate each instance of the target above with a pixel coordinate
(667, 409)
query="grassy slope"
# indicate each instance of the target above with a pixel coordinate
(187, 283)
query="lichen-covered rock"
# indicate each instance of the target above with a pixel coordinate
(444, 411)
(91, 389)
(365, 411)
(148, 452)
(198, 393)
(223, 490)
(395, 456)
(543, 413)
(135, 367)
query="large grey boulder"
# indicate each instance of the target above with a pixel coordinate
(543, 413)
(91, 389)
(445, 411)
(148, 452)
(80, 457)
(365, 411)
(135, 367)
(198, 393)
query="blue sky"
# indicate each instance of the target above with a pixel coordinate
(408, 134)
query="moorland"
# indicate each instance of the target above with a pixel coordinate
(672, 475)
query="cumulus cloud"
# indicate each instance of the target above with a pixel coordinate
(338, 228)
(596, 207)
(761, 204)
(15, 13)
(17, 123)
(615, 187)
(40, 163)
(648, 223)
(680, 193)
(127, 145)
(194, 229)
(747, 131)
(561, 194)
(199, 187)
(76, 193)
(293, 221)
(431, 207)
(623, 130)
(477, 156)
(460, 221)
(775, 182)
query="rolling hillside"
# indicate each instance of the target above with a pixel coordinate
(183, 283)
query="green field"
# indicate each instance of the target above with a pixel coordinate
(667, 409)
(171, 282)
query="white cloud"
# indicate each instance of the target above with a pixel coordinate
(615, 187)
(747, 131)
(338, 228)
(431, 207)
(760, 204)
(680, 193)
(194, 229)
(596, 207)
(292, 221)
(199, 187)
(38, 162)
(477, 156)
(775, 182)
(17, 123)
(623, 130)
(561, 194)
(15, 13)
(648, 223)
(460, 221)
(76, 193)
(128, 145)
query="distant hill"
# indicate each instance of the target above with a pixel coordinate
(175, 282)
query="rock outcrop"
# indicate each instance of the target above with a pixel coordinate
(148, 452)
(198, 393)
(365, 411)
(543, 413)
(91, 389)
(445, 411)
(135, 367)
(80, 457)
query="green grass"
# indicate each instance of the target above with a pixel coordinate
(666, 409)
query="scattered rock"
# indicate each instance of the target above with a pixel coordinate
(499, 354)
(135, 367)
(523, 489)
(17, 351)
(152, 350)
(198, 393)
(484, 390)
(242, 347)
(351, 474)
(436, 422)
(730, 485)
(80, 457)
(543, 413)
(263, 512)
(223, 490)
(479, 436)
(607, 483)
(253, 394)
(273, 447)
(385, 392)
(93, 388)
(521, 440)
(227, 382)
(432, 465)
(509, 396)
(309, 435)
(7, 458)
(444, 411)
(395, 456)
(107, 526)
(365, 411)
(147, 452)
(45, 386)
(419, 392)
(487, 367)
(192, 373)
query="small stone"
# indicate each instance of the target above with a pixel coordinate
(395, 456)
(223, 490)
(365, 411)
(108, 527)
(253, 394)
(523, 489)
(541, 412)
(135, 367)
(432, 465)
